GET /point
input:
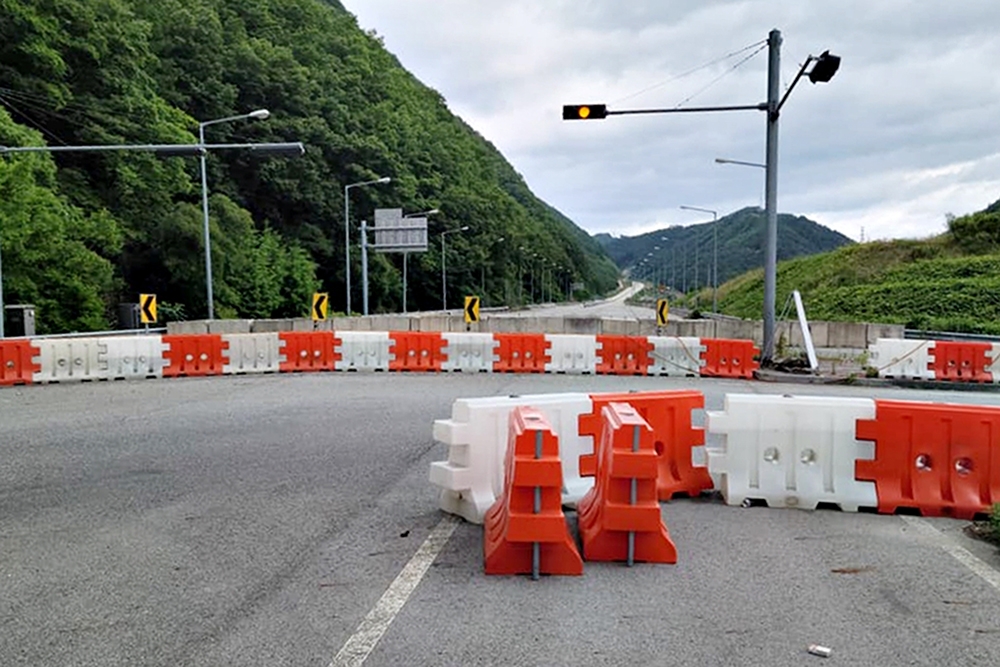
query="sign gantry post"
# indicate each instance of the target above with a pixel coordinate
(393, 233)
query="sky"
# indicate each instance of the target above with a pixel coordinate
(906, 133)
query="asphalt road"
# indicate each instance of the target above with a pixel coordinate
(613, 307)
(258, 520)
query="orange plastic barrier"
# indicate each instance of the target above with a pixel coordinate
(960, 361)
(620, 518)
(521, 353)
(939, 458)
(725, 358)
(194, 355)
(309, 351)
(416, 351)
(16, 366)
(623, 355)
(668, 413)
(526, 531)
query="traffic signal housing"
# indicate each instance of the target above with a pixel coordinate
(826, 66)
(584, 111)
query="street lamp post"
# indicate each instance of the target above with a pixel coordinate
(715, 253)
(531, 281)
(422, 214)
(482, 269)
(347, 231)
(444, 272)
(258, 114)
(520, 275)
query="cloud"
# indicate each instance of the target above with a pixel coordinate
(905, 132)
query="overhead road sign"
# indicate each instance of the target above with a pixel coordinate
(395, 233)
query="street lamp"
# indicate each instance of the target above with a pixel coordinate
(444, 273)
(743, 163)
(722, 160)
(258, 114)
(482, 268)
(347, 231)
(715, 253)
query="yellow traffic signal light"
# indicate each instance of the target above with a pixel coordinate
(584, 111)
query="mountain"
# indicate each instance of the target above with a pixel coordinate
(671, 255)
(949, 282)
(81, 232)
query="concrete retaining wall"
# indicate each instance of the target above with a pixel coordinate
(840, 335)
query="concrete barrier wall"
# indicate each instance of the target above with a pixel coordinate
(840, 335)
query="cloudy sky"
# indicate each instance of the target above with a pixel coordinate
(907, 132)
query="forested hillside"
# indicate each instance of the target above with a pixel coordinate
(672, 254)
(82, 232)
(950, 282)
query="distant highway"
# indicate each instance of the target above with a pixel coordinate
(259, 520)
(612, 307)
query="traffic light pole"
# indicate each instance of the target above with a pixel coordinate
(824, 67)
(635, 112)
(771, 194)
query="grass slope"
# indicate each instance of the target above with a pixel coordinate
(949, 282)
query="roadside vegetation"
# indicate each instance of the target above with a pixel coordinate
(83, 232)
(949, 282)
(989, 529)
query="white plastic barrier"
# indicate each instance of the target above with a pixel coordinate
(69, 359)
(901, 358)
(676, 355)
(252, 353)
(572, 354)
(994, 365)
(363, 350)
(134, 356)
(472, 477)
(469, 352)
(791, 451)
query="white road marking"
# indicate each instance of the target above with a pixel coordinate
(360, 645)
(959, 553)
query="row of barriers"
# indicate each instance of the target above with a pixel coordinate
(800, 452)
(45, 360)
(949, 361)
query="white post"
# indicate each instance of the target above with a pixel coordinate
(806, 334)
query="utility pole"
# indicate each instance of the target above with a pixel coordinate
(771, 192)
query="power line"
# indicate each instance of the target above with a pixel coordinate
(720, 77)
(691, 71)
(31, 121)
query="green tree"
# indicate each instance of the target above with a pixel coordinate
(54, 254)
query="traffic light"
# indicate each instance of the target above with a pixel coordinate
(584, 111)
(824, 69)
